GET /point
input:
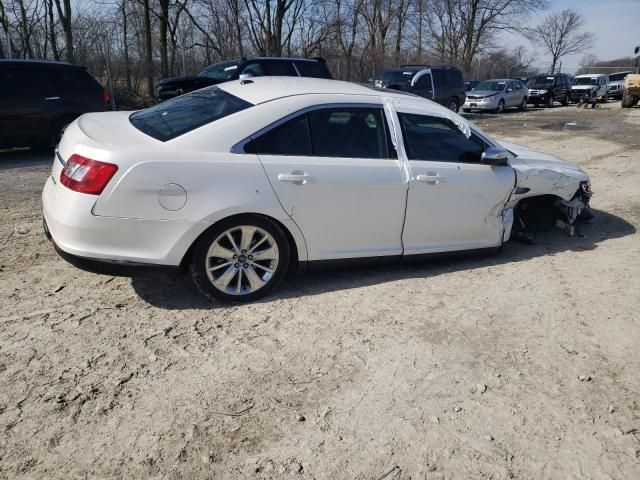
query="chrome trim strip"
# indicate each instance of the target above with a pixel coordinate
(60, 159)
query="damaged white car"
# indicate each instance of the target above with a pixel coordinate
(242, 182)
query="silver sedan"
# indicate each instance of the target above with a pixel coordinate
(496, 95)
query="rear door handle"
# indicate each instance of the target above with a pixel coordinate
(51, 98)
(301, 178)
(430, 178)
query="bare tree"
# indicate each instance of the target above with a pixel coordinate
(64, 13)
(561, 34)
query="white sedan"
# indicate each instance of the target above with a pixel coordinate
(241, 182)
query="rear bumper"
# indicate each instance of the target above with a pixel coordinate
(112, 267)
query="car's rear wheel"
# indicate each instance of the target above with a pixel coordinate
(240, 259)
(523, 105)
(453, 105)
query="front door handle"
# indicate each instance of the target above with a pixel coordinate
(431, 178)
(49, 99)
(300, 178)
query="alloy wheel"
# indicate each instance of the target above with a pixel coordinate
(242, 260)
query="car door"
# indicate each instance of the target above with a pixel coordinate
(335, 175)
(512, 94)
(454, 201)
(22, 110)
(422, 84)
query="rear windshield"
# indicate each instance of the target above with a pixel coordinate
(182, 114)
(313, 69)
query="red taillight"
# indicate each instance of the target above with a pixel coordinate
(106, 96)
(87, 176)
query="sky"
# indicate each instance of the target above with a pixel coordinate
(615, 23)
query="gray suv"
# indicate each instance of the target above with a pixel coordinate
(441, 84)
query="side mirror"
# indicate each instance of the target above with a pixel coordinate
(494, 156)
(509, 90)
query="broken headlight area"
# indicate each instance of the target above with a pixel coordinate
(545, 212)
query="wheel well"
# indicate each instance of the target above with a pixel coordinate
(293, 248)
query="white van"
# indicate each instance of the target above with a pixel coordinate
(589, 86)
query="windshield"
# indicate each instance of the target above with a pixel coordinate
(221, 71)
(616, 77)
(585, 81)
(541, 81)
(397, 78)
(492, 85)
(182, 114)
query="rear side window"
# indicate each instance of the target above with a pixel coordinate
(71, 79)
(182, 114)
(279, 68)
(289, 138)
(331, 132)
(313, 69)
(454, 79)
(348, 133)
(438, 140)
(439, 77)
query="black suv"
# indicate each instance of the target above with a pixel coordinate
(231, 70)
(546, 89)
(40, 98)
(440, 84)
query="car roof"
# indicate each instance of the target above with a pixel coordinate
(264, 89)
(417, 68)
(590, 75)
(5, 61)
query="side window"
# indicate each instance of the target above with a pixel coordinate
(290, 138)
(438, 140)
(454, 79)
(348, 133)
(424, 82)
(439, 78)
(254, 69)
(279, 68)
(313, 69)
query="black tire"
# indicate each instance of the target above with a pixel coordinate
(453, 104)
(500, 108)
(627, 99)
(523, 105)
(57, 129)
(565, 100)
(199, 258)
(549, 101)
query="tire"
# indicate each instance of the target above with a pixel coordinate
(453, 105)
(523, 105)
(549, 101)
(565, 100)
(233, 274)
(57, 129)
(627, 99)
(500, 108)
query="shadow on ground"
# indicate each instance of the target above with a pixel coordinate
(181, 294)
(25, 158)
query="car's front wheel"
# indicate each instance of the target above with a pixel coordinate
(565, 100)
(500, 108)
(240, 259)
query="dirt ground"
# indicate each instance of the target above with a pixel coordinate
(522, 365)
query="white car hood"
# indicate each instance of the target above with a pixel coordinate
(539, 173)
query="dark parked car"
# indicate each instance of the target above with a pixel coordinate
(40, 98)
(547, 89)
(470, 84)
(231, 70)
(443, 85)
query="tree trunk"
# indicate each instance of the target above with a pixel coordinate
(65, 20)
(164, 50)
(52, 31)
(125, 44)
(148, 54)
